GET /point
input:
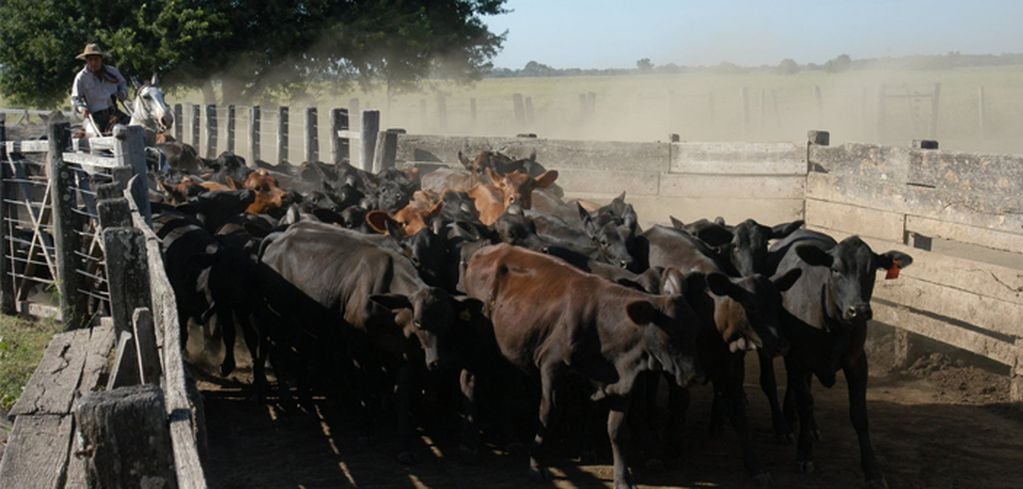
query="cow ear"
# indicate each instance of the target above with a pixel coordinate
(719, 221)
(494, 177)
(642, 312)
(464, 161)
(694, 283)
(377, 221)
(714, 234)
(546, 179)
(677, 223)
(786, 280)
(393, 302)
(886, 260)
(585, 217)
(780, 231)
(719, 284)
(231, 184)
(672, 282)
(394, 230)
(814, 256)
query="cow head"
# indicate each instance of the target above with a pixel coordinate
(216, 208)
(413, 218)
(669, 329)
(748, 248)
(850, 282)
(427, 250)
(514, 228)
(610, 237)
(425, 314)
(518, 186)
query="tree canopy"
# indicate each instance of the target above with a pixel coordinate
(252, 48)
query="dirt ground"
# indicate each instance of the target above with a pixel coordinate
(943, 422)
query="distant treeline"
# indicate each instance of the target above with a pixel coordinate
(837, 64)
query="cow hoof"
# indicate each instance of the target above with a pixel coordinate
(407, 458)
(655, 465)
(540, 474)
(763, 481)
(877, 484)
(226, 368)
(807, 467)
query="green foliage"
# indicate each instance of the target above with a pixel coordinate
(21, 347)
(788, 66)
(644, 65)
(252, 48)
(838, 64)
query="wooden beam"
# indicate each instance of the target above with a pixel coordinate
(130, 151)
(983, 312)
(27, 146)
(370, 128)
(282, 134)
(985, 346)
(37, 452)
(964, 233)
(86, 159)
(66, 225)
(145, 343)
(888, 226)
(51, 389)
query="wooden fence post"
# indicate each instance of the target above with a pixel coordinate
(386, 151)
(195, 127)
(179, 123)
(744, 101)
(472, 111)
(130, 152)
(145, 342)
(211, 130)
(370, 127)
(520, 110)
(255, 114)
(339, 148)
(819, 100)
(312, 135)
(1016, 380)
(127, 273)
(282, 134)
(230, 128)
(442, 111)
(66, 225)
(935, 103)
(981, 126)
(6, 281)
(124, 437)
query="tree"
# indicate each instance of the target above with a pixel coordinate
(250, 48)
(788, 66)
(644, 65)
(838, 64)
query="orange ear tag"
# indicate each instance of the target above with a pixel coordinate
(893, 271)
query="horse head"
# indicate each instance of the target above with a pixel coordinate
(150, 110)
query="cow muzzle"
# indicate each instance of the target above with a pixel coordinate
(858, 312)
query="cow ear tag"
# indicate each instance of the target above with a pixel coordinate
(893, 271)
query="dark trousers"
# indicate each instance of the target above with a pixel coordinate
(107, 118)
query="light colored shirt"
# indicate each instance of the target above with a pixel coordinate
(92, 91)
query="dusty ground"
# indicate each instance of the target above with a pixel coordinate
(938, 424)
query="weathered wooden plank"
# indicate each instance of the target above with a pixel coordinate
(608, 182)
(855, 220)
(27, 146)
(984, 312)
(66, 225)
(950, 334)
(125, 369)
(37, 452)
(101, 343)
(996, 211)
(51, 389)
(145, 342)
(996, 282)
(732, 186)
(965, 233)
(86, 159)
(738, 158)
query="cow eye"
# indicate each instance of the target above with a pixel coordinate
(147, 97)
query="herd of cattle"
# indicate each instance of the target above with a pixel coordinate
(371, 287)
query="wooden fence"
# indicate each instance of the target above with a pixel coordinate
(961, 218)
(80, 423)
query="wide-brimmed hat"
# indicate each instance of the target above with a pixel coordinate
(91, 49)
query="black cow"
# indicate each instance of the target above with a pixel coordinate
(826, 323)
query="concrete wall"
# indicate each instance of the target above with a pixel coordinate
(764, 181)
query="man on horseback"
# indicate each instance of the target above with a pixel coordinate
(96, 90)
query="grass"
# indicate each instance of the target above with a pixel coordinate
(21, 347)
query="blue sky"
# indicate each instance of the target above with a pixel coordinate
(609, 33)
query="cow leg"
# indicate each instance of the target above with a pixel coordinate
(616, 433)
(643, 418)
(733, 397)
(800, 388)
(225, 321)
(547, 404)
(856, 377)
(768, 383)
(811, 423)
(678, 405)
(470, 442)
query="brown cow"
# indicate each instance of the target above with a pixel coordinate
(549, 317)
(412, 218)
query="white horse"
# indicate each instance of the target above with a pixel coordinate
(149, 110)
